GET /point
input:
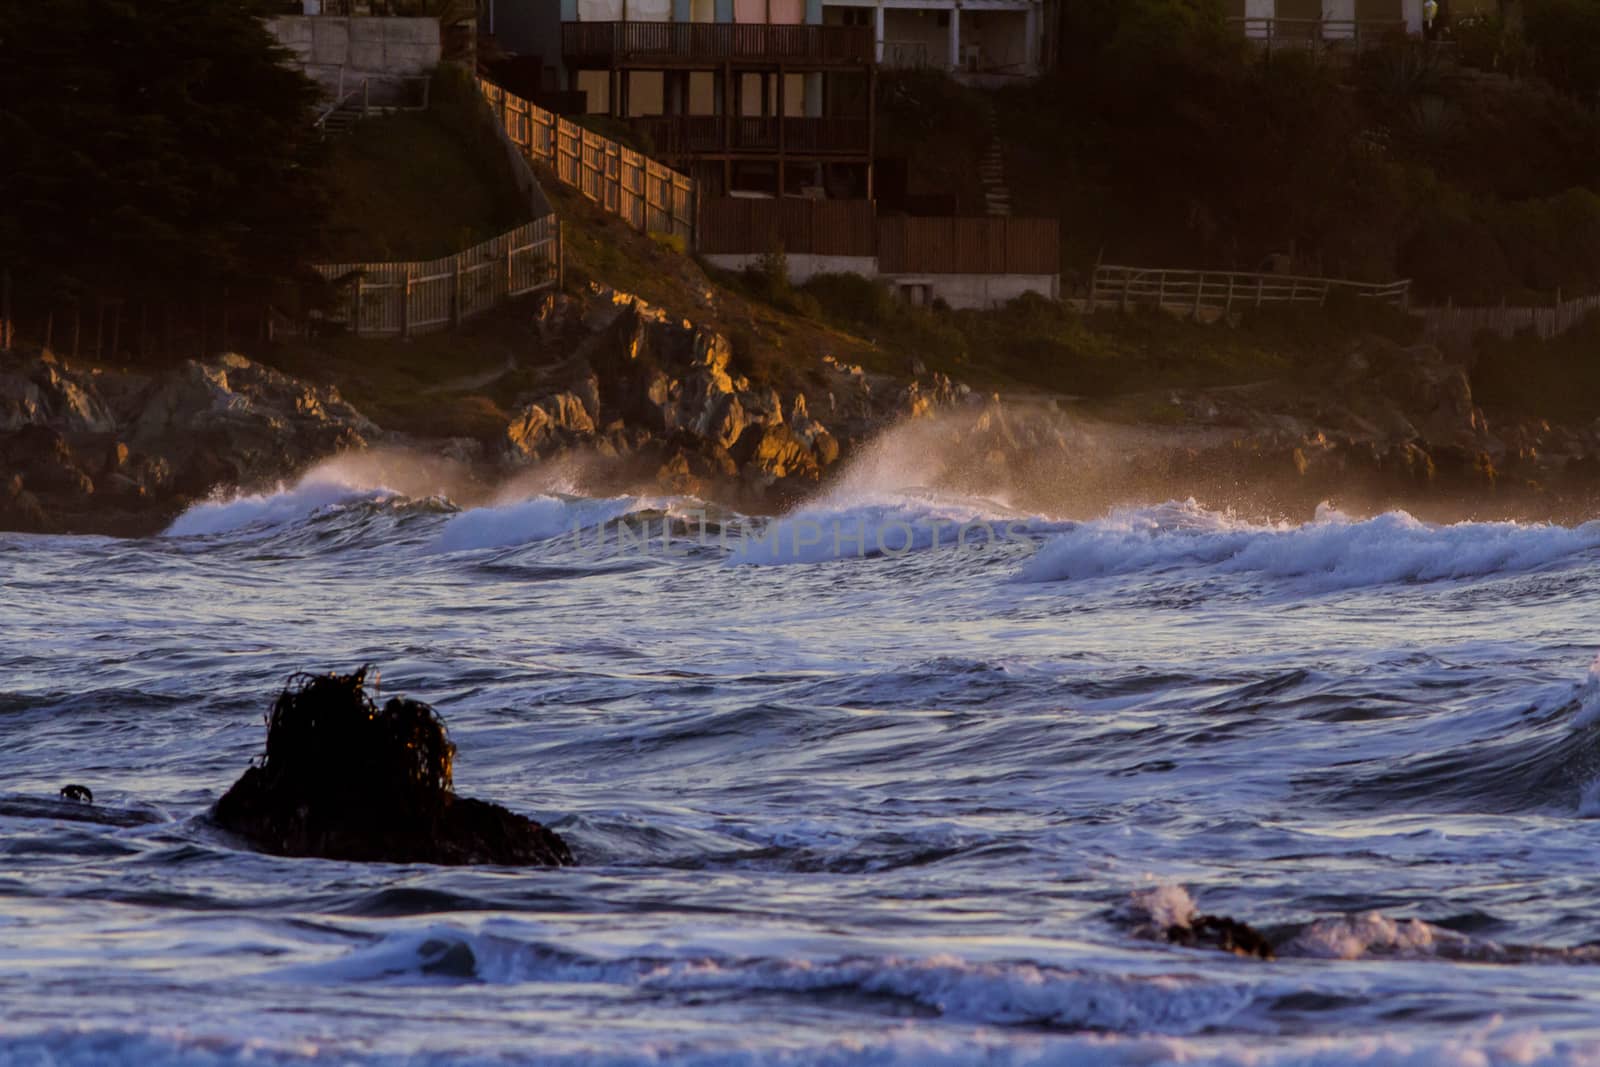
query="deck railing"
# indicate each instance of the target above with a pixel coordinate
(1320, 34)
(1197, 291)
(682, 43)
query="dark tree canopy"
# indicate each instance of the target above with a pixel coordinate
(153, 149)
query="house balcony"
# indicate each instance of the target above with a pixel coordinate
(662, 45)
(717, 136)
(1319, 35)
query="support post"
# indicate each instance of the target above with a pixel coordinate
(955, 39)
(455, 295)
(877, 34)
(561, 256)
(355, 309)
(5, 311)
(782, 114)
(1199, 291)
(405, 307)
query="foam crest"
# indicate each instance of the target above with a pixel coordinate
(537, 519)
(886, 526)
(313, 494)
(1331, 552)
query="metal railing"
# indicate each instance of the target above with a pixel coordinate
(1196, 291)
(362, 91)
(906, 55)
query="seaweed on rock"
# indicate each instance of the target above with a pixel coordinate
(343, 779)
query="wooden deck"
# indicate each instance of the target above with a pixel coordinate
(705, 45)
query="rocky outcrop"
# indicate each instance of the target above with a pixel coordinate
(119, 453)
(664, 393)
(343, 779)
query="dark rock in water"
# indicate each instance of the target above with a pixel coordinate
(79, 793)
(344, 780)
(1217, 931)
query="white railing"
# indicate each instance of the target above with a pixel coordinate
(1459, 325)
(421, 297)
(1196, 291)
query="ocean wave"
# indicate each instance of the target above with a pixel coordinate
(889, 525)
(886, 1046)
(1331, 552)
(311, 496)
(1000, 993)
(539, 518)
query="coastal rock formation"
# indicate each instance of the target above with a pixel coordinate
(344, 779)
(91, 450)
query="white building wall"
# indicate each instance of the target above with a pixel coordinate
(962, 291)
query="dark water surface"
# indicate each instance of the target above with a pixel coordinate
(831, 806)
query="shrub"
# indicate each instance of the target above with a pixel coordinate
(852, 298)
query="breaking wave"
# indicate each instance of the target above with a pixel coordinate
(1332, 552)
(311, 496)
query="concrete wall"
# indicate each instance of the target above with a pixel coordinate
(975, 290)
(958, 290)
(802, 267)
(365, 47)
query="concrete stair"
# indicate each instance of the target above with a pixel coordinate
(992, 172)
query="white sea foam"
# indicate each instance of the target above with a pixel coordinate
(1332, 552)
(1588, 698)
(1351, 937)
(288, 504)
(538, 519)
(882, 525)
(903, 1045)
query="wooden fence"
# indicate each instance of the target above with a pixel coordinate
(651, 196)
(408, 298)
(986, 245)
(1197, 291)
(738, 226)
(1458, 326)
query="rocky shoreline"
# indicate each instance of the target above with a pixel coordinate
(647, 401)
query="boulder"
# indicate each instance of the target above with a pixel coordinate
(345, 780)
(558, 420)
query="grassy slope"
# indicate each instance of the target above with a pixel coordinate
(418, 185)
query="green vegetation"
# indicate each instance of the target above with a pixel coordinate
(1559, 379)
(420, 185)
(1034, 343)
(157, 150)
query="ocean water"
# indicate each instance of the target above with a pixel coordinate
(898, 778)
